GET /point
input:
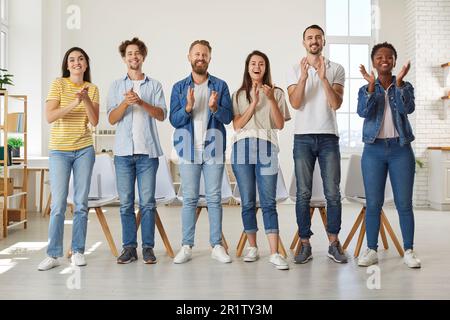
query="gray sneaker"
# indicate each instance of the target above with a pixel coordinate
(148, 256)
(336, 253)
(305, 254)
(128, 255)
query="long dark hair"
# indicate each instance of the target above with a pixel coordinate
(66, 73)
(247, 81)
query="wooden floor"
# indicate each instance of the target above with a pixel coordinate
(204, 278)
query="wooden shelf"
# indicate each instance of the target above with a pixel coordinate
(14, 224)
(439, 148)
(12, 122)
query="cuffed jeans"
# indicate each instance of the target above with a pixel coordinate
(255, 161)
(128, 169)
(325, 148)
(190, 180)
(379, 158)
(61, 164)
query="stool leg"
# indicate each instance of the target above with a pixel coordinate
(355, 227)
(163, 234)
(241, 244)
(41, 191)
(391, 232)
(281, 248)
(360, 238)
(383, 236)
(294, 241)
(47, 207)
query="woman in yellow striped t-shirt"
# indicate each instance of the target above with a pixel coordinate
(72, 103)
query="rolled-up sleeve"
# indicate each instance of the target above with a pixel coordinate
(160, 101)
(224, 111)
(404, 98)
(366, 102)
(111, 102)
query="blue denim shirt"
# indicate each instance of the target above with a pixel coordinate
(371, 108)
(215, 140)
(151, 92)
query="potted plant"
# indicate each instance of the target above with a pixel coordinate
(15, 144)
(5, 78)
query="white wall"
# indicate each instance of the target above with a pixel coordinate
(428, 46)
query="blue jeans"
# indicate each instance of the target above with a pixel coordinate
(61, 163)
(308, 148)
(190, 174)
(255, 161)
(128, 169)
(379, 158)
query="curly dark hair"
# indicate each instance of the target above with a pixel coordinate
(141, 45)
(383, 45)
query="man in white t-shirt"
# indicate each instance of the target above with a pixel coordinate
(315, 88)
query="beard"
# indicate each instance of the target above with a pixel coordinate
(317, 51)
(200, 69)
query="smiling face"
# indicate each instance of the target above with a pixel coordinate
(76, 63)
(256, 68)
(314, 41)
(384, 60)
(133, 57)
(199, 57)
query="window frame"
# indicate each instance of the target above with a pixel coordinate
(4, 29)
(351, 40)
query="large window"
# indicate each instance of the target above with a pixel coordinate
(349, 37)
(3, 34)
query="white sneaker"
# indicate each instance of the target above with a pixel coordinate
(279, 261)
(184, 255)
(252, 254)
(411, 260)
(78, 259)
(48, 263)
(220, 254)
(368, 258)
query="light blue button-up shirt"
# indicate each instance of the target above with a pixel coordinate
(151, 92)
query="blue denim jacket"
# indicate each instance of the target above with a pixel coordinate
(371, 108)
(215, 140)
(151, 92)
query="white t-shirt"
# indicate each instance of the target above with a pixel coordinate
(140, 120)
(387, 129)
(200, 114)
(261, 124)
(315, 116)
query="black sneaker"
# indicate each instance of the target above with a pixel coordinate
(336, 253)
(305, 254)
(128, 255)
(148, 256)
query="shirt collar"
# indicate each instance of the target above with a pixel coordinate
(190, 81)
(146, 78)
(378, 83)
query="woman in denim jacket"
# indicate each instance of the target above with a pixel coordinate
(385, 103)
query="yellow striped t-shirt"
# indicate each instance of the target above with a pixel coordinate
(71, 132)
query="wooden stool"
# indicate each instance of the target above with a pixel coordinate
(243, 240)
(106, 231)
(361, 220)
(161, 230)
(296, 241)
